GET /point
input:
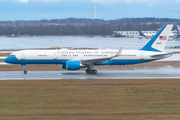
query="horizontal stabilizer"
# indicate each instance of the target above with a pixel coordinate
(160, 55)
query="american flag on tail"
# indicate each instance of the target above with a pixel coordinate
(163, 38)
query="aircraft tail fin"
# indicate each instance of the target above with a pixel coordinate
(158, 42)
(178, 28)
(176, 32)
(140, 33)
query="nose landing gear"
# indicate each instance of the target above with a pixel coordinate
(24, 68)
(25, 71)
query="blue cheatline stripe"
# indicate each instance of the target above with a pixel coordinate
(124, 62)
(14, 60)
(148, 47)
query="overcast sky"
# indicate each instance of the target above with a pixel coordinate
(106, 9)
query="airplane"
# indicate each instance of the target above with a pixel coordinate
(145, 34)
(178, 28)
(77, 59)
(176, 32)
(177, 35)
(173, 35)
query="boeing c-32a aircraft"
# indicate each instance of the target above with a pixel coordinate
(147, 35)
(76, 59)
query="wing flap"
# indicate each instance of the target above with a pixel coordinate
(95, 60)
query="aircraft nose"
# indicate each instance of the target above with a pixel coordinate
(6, 60)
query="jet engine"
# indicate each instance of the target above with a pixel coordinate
(72, 65)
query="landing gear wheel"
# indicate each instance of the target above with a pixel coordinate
(25, 71)
(90, 71)
(94, 71)
(87, 71)
(24, 68)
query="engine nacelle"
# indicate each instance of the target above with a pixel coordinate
(73, 65)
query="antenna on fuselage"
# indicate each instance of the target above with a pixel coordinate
(99, 47)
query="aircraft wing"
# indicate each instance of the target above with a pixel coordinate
(100, 60)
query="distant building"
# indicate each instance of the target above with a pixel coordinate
(134, 33)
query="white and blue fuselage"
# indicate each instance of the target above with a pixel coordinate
(127, 57)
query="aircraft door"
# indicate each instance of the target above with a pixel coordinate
(22, 56)
(55, 56)
(142, 56)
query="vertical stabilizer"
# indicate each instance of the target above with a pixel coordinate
(178, 27)
(140, 33)
(158, 42)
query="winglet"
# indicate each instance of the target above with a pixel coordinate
(119, 52)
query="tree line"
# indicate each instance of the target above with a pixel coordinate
(85, 21)
(100, 29)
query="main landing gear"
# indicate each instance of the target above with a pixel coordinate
(91, 71)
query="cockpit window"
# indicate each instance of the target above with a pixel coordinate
(11, 55)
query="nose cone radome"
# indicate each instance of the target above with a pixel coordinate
(7, 60)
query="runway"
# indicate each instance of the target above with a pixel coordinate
(59, 75)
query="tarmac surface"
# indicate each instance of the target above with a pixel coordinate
(125, 74)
